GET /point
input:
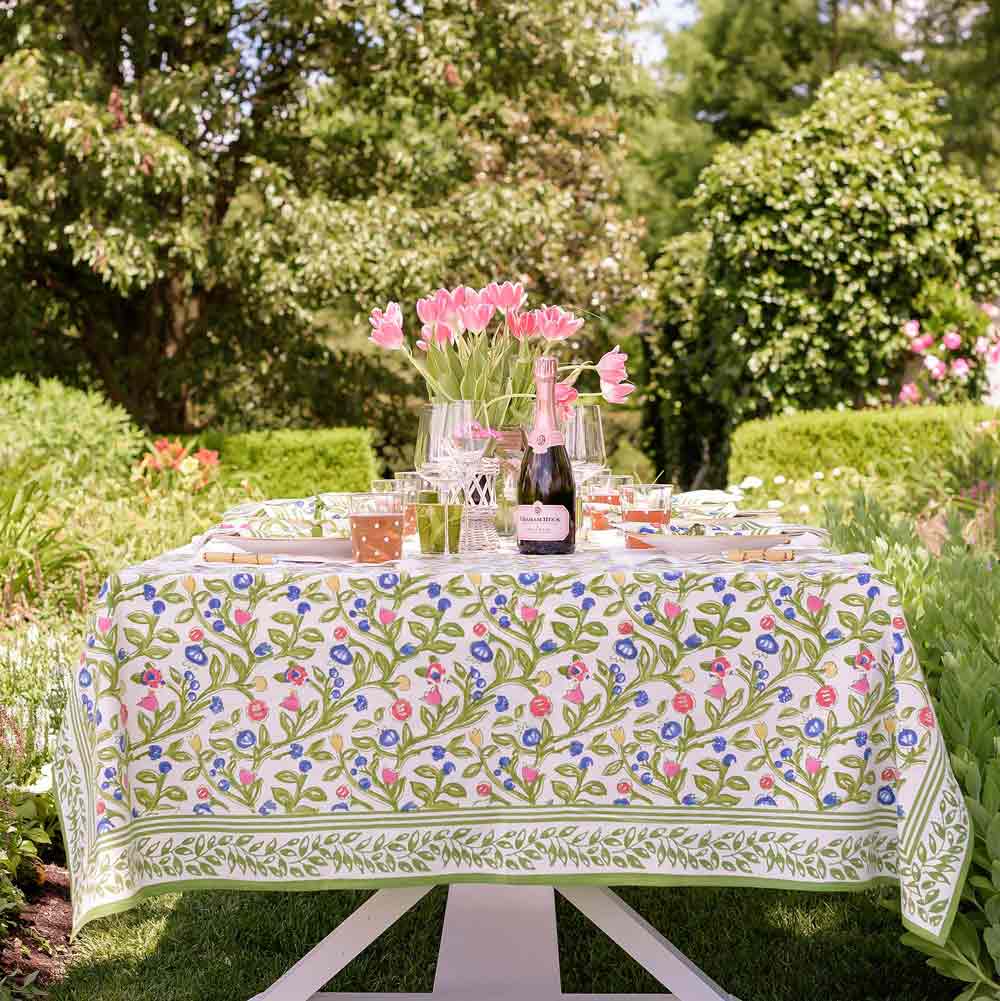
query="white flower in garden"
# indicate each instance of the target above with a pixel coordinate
(818, 475)
(779, 479)
(775, 504)
(751, 483)
(836, 471)
(803, 509)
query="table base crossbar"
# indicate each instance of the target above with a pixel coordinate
(483, 921)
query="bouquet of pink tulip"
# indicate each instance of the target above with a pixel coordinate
(482, 345)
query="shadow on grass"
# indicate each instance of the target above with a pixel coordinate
(760, 945)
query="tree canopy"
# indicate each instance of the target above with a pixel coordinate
(815, 242)
(193, 193)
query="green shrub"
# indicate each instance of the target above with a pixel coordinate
(33, 674)
(915, 448)
(952, 604)
(296, 463)
(31, 554)
(819, 238)
(70, 436)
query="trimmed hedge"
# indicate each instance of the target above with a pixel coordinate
(296, 463)
(890, 444)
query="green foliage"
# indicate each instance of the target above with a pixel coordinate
(69, 436)
(193, 194)
(925, 450)
(821, 235)
(737, 69)
(953, 611)
(30, 553)
(688, 432)
(958, 42)
(297, 463)
(33, 667)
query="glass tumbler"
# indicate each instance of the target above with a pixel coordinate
(376, 527)
(647, 506)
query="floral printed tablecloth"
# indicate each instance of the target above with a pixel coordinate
(590, 718)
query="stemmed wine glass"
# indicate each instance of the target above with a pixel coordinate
(584, 434)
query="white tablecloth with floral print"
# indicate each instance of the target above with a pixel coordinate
(602, 718)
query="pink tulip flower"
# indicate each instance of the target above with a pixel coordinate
(529, 774)
(611, 367)
(565, 394)
(911, 328)
(909, 393)
(522, 325)
(565, 397)
(476, 318)
(960, 368)
(463, 296)
(390, 776)
(556, 324)
(813, 765)
(507, 297)
(392, 314)
(388, 335)
(921, 344)
(616, 393)
(246, 777)
(435, 307)
(952, 340)
(436, 333)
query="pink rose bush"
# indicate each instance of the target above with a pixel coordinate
(958, 346)
(481, 345)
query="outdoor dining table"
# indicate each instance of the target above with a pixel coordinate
(505, 725)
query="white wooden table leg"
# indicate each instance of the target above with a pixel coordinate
(633, 933)
(351, 937)
(484, 922)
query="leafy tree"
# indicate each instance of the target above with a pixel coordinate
(957, 43)
(739, 68)
(195, 193)
(816, 239)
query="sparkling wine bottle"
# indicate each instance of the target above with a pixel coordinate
(546, 492)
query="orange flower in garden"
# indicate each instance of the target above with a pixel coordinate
(170, 464)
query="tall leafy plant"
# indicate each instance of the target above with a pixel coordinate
(818, 238)
(30, 554)
(952, 604)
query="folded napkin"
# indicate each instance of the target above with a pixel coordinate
(324, 516)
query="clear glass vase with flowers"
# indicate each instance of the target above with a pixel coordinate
(480, 346)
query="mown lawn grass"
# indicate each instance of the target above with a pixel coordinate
(761, 945)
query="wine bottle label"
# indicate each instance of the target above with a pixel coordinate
(542, 522)
(539, 439)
